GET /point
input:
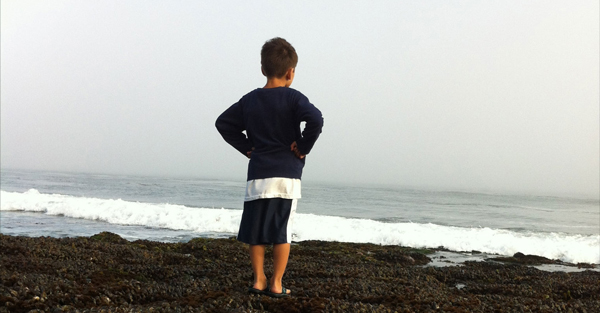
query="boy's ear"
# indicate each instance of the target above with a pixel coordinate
(263, 71)
(289, 73)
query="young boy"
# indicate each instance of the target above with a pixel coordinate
(276, 148)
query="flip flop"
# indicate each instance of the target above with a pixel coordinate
(283, 293)
(257, 291)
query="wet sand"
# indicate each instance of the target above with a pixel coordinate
(106, 273)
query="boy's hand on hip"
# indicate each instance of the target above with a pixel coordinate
(294, 148)
(249, 153)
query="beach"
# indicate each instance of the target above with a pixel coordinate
(106, 273)
(175, 209)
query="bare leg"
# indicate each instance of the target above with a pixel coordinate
(257, 257)
(281, 253)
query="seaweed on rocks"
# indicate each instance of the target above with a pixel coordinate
(526, 259)
(106, 273)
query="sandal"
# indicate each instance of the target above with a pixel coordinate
(258, 291)
(283, 293)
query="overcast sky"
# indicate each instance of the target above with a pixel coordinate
(466, 95)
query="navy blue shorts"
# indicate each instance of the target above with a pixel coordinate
(267, 221)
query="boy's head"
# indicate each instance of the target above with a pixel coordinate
(277, 56)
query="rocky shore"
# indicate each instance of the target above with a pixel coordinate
(106, 273)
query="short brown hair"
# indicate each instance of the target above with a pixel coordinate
(277, 56)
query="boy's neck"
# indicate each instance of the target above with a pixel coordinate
(274, 82)
(283, 81)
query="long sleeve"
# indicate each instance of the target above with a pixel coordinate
(267, 121)
(308, 113)
(230, 125)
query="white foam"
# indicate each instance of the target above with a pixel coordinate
(124, 212)
(566, 247)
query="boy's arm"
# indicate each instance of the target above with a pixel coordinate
(230, 125)
(308, 113)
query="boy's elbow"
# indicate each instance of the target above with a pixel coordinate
(319, 123)
(220, 125)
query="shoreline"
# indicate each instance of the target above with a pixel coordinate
(43, 224)
(444, 258)
(107, 272)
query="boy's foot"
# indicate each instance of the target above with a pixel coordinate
(284, 293)
(257, 291)
(259, 287)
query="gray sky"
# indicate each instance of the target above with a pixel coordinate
(493, 96)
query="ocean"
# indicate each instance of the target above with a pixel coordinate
(176, 209)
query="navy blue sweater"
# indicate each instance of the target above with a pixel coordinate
(271, 118)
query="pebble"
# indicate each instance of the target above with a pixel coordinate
(106, 273)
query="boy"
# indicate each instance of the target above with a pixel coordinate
(276, 148)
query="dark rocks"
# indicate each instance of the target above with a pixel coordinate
(106, 273)
(526, 259)
(109, 237)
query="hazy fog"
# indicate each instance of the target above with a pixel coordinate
(494, 96)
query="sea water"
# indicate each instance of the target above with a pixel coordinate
(170, 209)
